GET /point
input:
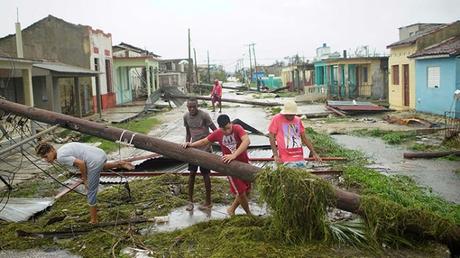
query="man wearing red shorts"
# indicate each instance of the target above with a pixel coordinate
(234, 142)
(216, 95)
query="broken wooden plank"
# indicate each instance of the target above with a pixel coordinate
(335, 111)
(69, 189)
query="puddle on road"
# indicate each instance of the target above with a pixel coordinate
(180, 218)
(435, 173)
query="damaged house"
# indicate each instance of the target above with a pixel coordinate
(135, 71)
(74, 65)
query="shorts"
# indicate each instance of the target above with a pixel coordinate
(93, 174)
(215, 98)
(194, 168)
(238, 186)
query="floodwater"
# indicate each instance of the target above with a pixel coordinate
(180, 218)
(435, 173)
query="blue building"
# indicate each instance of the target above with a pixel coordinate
(437, 74)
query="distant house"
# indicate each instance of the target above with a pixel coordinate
(342, 76)
(79, 46)
(135, 72)
(173, 72)
(402, 69)
(438, 77)
(297, 76)
(356, 77)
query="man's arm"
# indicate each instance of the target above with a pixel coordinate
(307, 142)
(188, 135)
(272, 138)
(243, 147)
(200, 143)
(81, 165)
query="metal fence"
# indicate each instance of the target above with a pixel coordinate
(452, 122)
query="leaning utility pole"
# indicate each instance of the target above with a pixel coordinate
(196, 66)
(190, 65)
(250, 64)
(209, 69)
(255, 65)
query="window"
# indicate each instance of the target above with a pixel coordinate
(395, 72)
(96, 64)
(364, 74)
(434, 77)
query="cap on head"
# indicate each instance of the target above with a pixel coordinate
(289, 108)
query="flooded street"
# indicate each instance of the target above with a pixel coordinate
(435, 173)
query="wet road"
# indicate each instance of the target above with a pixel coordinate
(435, 173)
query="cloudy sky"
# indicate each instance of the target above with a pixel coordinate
(279, 28)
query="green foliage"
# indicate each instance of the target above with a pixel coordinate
(401, 190)
(391, 222)
(298, 201)
(152, 196)
(326, 146)
(275, 110)
(391, 137)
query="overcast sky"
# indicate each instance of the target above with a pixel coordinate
(279, 28)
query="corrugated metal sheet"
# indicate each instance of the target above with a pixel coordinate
(355, 106)
(21, 209)
(65, 68)
(361, 108)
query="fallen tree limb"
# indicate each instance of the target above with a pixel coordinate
(429, 155)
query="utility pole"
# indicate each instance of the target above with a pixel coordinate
(250, 64)
(196, 66)
(189, 70)
(209, 69)
(255, 64)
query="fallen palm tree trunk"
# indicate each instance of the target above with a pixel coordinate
(429, 155)
(342, 199)
(249, 102)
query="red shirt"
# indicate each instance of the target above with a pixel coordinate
(230, 143)
(216, 90)
(288, 137)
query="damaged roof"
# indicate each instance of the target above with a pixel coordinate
(65, 68)
(450, 47)
(411, 40)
